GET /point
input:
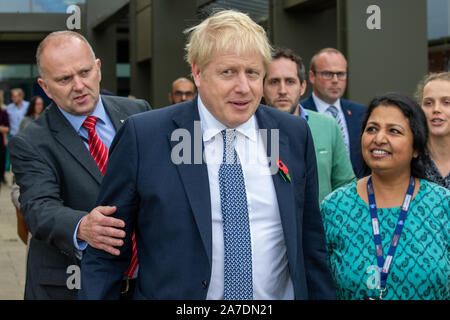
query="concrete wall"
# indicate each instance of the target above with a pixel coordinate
(32, 22)
(393, 58)
(140, 48)
(101, 32)
(303, 29)
(157, 46)
(169, 20)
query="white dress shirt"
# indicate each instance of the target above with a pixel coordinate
(271, 278)
(322, 107)
(16, 115)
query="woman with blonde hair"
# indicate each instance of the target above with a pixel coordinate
(433, 93)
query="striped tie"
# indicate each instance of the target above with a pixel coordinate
(97, 148)
(335, 113)
(131, 271)
(100, 154)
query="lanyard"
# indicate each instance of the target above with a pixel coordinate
(383, 264)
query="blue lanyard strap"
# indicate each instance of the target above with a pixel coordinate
(385, 264)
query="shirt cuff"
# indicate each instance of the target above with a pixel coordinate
(79, 244)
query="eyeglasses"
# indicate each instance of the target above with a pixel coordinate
(179, 94)
(328, 75)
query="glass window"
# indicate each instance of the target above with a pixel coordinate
(438, 19)
(37, 6)
(123, 70)
(16, 71)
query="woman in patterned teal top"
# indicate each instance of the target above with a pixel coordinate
(420, 267)
(393, 144)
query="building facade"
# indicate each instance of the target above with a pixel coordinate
(389, 44)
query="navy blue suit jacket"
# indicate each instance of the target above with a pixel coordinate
(169, 208)
(354, 113)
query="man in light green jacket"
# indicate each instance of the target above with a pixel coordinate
(284, 85)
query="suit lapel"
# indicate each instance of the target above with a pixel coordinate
(353, 137)
(114, 112)
(347, 112)
(69, 139)
(284, 190)
(195, 176)
(309, 104)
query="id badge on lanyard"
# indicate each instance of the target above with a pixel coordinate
(384, 265)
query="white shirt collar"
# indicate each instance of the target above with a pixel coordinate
(322, 106)
(211, 126)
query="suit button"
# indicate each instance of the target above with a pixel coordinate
(204, 284)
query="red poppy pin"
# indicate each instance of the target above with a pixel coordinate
(283, 171)
(349, 112)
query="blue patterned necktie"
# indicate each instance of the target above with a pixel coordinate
(335, 113)
(238, 284)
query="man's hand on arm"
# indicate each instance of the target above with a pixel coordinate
(102, 232)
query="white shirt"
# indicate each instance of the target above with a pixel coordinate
(16, 115)
(322, 107)
(271, 278)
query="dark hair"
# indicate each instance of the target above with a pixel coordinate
(417, 122)
(32, 106)
(289, 54)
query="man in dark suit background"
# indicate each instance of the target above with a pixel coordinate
(58, 177)
(328, 76)
(182, 89)
(213, 219)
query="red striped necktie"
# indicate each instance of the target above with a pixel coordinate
(97, 148)
(100, 154)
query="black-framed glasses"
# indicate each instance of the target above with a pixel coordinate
(328, 75)
(180, 93)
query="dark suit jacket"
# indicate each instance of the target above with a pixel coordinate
(169, 207)
(354, 113)
(59, 183)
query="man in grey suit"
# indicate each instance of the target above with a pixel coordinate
(58, 177)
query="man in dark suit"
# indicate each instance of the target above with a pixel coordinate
(328, 76)
(213, 219)
(58, 177)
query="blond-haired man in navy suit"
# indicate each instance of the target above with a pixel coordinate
(181, 210)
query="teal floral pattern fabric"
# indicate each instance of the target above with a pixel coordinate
(421, 266)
